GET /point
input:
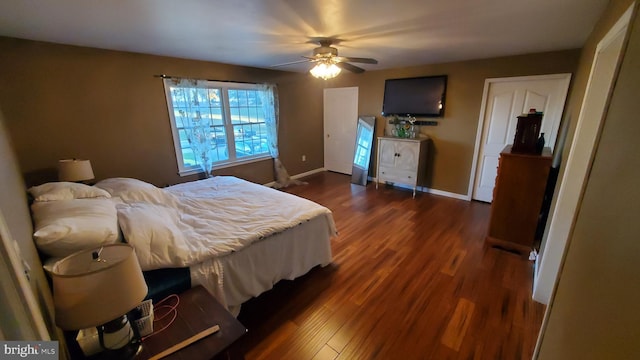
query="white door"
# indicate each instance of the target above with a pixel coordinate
(340, 126)
(503, 101)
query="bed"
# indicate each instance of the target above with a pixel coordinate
(236, 238)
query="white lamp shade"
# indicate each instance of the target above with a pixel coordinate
(74, 170)
(89, 292)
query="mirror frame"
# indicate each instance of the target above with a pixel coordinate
(360, 172)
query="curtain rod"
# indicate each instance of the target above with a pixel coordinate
(163, 76)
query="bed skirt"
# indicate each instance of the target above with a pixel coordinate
(237, 277)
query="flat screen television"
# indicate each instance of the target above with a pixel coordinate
(418, 96)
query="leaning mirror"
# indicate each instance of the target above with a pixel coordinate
(363, 149)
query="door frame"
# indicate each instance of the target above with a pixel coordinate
(481, 130)
(576, 171)
(20, 304)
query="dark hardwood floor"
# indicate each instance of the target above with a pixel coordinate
(410, 279)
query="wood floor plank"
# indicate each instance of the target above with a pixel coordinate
(326, 353)
(264, 350)
(454, 262)
(457, 328)
(410, 279)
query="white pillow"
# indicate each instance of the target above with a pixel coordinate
(66, 226)
(134, 190)
(65, 191)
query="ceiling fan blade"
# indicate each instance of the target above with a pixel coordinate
(312, 58)
(290, 63)
(357, 60)
(349, 67)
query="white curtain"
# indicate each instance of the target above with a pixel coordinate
(199, 130)
(269, 100)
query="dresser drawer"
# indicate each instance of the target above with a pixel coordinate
(391, 174)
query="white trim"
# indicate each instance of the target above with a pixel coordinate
(308, 173)
(191, 171)
(578, 165)
(444, 193)
(552, 255)
(483, 109)
(198, 170)
(621, 25)
(301, 175)
(476, 147)
(425, 189)
(242, 162)
(19, 299)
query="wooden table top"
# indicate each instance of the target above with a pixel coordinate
(197, 311)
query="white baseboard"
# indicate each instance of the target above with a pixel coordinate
(433, 191)
(311, 172)
(297, 176)
(445, 193)
(373, 179)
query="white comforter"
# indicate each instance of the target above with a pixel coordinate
(209, 218)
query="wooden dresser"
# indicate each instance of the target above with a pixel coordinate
(517, 199)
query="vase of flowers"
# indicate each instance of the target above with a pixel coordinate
(403, 127)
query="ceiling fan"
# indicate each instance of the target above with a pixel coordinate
(328, 63)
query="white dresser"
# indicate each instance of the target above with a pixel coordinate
(402, 161)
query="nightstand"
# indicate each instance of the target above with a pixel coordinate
(402, 161)
(198, 310)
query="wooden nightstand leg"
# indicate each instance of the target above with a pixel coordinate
(414, 192)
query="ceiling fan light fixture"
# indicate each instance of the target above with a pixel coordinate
(325, 70)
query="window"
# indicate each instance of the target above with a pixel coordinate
(222, 119)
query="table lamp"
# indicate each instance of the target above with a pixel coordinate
(97, 288)
(75, 170)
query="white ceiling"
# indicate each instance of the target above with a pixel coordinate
(263, 33)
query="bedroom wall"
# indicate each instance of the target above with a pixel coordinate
(107, 106)
(66, 101)
(453, 139)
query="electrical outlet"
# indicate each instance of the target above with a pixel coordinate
(304, 157)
